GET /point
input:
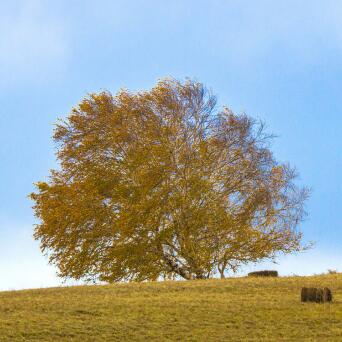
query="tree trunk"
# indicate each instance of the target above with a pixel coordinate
(174, 267)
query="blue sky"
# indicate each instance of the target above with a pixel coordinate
(280, 61)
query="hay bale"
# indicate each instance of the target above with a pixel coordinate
(316, 295)
(319, 296)
(304, 294)
(327, 295)
(263, 274)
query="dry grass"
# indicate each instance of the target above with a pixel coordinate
(243, 309)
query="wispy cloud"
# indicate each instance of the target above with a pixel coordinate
(22, 264)
(32, 43)
(304, 264)
(296, 31)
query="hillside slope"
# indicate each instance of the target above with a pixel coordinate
(240, 309)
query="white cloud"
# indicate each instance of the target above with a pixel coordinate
(32, 44)
(295, 32)
(307, 263)
(22, 265)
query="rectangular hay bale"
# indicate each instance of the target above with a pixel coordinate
(265, 273)
(316, 295)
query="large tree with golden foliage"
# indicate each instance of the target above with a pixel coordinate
(161, 184)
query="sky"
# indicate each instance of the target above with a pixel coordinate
(278, 61)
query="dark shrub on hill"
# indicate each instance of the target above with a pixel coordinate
(263, 274)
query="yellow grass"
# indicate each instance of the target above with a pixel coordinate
(240, 309)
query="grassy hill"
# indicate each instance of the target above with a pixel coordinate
(240, 309)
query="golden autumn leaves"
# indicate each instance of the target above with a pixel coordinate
(159, 184)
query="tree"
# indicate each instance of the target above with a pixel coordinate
(162, 184)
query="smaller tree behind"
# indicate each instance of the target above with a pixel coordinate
(159, 183)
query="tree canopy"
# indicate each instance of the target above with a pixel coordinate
(163, 184)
